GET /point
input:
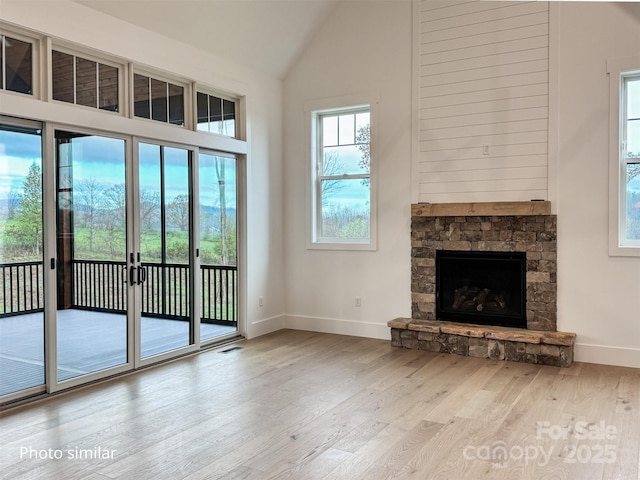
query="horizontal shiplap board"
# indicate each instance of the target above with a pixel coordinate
(538, 184)
(483, 79)
(503, 116)
(501, 36)
(478, 142)
(464, 15)
(470, 64)
(503, 24)
(471, 109)
(477, 51)
(484, 163)
(429, 5)
(520, 91)
(485, 130)
(498, 153)
(493, 174)
(490, 196)
(519, 68)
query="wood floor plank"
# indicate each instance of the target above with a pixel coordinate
(304, 405)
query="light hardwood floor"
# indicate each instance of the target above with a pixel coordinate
(301, 405)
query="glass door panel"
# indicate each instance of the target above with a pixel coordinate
(91, 244)
(165, 245)
(218, 265)
(21, 260)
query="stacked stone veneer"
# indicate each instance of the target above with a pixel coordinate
(533, 234)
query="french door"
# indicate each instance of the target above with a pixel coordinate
(122, 269)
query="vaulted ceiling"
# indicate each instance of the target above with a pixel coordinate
(267, 35)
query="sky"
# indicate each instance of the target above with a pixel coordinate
(102, 159)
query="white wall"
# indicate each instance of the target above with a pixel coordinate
(364, 47)
(599, 296)
(72, 22)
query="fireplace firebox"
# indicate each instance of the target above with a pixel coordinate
(485, 288)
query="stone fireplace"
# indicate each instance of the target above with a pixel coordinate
(485, 314)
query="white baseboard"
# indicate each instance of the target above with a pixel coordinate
(265, 325)
(338, 326)
(602, 354)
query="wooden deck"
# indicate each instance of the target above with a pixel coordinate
(303, 405)
(87, 342)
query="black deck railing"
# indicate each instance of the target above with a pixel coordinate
(21, 288)
(101, 285)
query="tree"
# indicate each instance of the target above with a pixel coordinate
(13, 203)
(88, 200)
(28, 226)
(178, 212)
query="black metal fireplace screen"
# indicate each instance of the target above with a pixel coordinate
(486, 288)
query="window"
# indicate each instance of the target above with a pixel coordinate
(625, 157)
(16, 59)
(158, 100)
(342, 206)
(216, 115)
(84, 82)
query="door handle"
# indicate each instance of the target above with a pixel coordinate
(132, 271)
(142, 274)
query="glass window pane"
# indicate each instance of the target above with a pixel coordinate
(176, 104)
(150, 202)
(229, 115)
(108, 88)
(141, 107)
(215, 109)
(329, 131)
(344, 159)
(633, 202)
(633, 98)
(18, 65)
(1, 62)
(62, 68)
(159, 100)
(86, 83)
(22, 267)
(633, 138)
(345, 209)
(346, 129)
(203, 112)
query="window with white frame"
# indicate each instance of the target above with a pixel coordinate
(215, 114)
(625, 159)
(83, 81)
(342, 210)
(16, 62)
(158, 100)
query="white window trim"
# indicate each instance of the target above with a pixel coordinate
(88, 54)
(311, 111)
(617, 68)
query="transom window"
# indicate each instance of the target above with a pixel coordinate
(84, 82)
(16, 58)
(342, 183)
(158, 100)
(216, 115)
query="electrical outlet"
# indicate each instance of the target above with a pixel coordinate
(486, 150)
(358, 302)
(260, 302)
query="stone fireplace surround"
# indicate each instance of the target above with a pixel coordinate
(497, 226)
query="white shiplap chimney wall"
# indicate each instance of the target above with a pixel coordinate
(482, 87)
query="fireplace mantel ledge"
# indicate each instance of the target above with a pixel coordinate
(534, 207)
